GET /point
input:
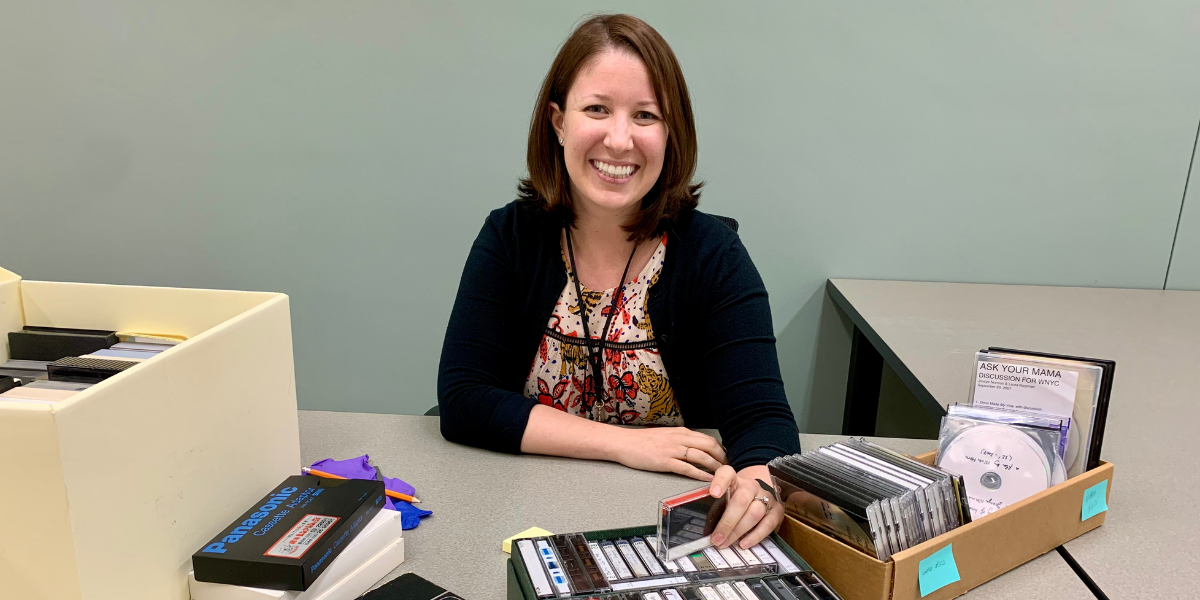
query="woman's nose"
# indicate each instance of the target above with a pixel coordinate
(620, 135)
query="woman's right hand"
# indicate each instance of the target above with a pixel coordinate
(666, 448)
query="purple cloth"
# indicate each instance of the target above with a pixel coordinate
(360, 468)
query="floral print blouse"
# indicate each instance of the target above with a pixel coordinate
(638, 390)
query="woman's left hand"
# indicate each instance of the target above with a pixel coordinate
(746, 518)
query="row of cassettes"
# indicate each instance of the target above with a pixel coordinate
(571, 565)
(804, 585)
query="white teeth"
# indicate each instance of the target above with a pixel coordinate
(612, 170)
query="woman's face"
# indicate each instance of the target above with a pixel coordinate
(614, 138)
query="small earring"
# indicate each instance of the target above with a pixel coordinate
(560, 141)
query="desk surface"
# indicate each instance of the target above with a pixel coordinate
(934, 329)
(479, 498)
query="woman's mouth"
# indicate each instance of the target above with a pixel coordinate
(613, 173)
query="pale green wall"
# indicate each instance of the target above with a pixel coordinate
(346, 153)
(1185, 260)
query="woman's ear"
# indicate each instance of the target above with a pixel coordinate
(556, 119)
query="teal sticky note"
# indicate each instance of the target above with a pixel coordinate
(1095, 500)
(937, 571)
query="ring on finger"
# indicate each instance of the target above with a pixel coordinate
(766, 502)
(685, 451)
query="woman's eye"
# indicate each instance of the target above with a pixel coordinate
(646, 116)
(596, 108)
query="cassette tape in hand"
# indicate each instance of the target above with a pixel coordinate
(686, 522)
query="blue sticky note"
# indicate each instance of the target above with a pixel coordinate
(937, 571)
(1095, 500)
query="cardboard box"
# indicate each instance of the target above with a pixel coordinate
(983, 549)
(108, 493)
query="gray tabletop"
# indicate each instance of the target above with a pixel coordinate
(1153, 335)
(479, 498)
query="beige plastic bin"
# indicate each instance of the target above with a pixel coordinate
(107, 494)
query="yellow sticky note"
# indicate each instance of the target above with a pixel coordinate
(528, 533)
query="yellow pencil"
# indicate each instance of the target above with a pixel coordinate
(390, 493)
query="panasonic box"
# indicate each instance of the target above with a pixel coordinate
(290, 536)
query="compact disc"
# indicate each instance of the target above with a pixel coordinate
(1000, 465)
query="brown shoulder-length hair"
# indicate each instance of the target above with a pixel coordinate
(548, 184)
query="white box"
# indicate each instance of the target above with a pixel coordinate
(108, 493)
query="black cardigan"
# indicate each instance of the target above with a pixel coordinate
(710, 314)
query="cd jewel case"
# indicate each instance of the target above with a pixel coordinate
(869, 497)
(1076, 389)
(1003, 456)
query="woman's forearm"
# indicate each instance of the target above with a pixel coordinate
(554, 432)
(665, 449)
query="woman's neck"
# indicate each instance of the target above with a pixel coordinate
(601, 236)
(602, 249)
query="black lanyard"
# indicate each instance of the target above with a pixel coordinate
(596, 356)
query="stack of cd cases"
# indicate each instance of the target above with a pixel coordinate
(870, 497)
(623, 564)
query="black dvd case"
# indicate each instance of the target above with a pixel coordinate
(1106, 382)
(290, 536)
(82, 369)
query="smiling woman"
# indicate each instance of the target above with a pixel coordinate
(603, 298)
(620, 74)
